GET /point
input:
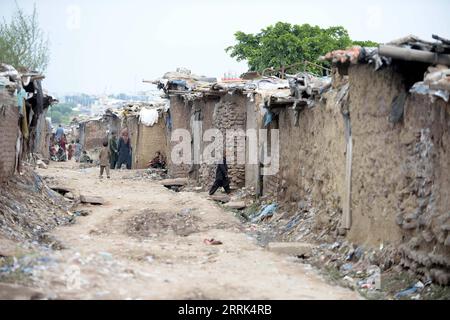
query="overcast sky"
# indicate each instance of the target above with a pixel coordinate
(100, 46)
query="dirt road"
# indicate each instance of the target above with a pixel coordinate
(146, 242)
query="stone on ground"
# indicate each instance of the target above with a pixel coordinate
(239, 205)
(291, 248)
(91, 199)
(174, 182)
(220, 198)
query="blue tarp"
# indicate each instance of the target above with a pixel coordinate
(268, 116)
(266, 211)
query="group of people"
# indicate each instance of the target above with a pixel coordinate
(115, 153)
(61, 151)
(118, 152)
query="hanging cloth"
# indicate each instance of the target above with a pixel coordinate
(24, 124)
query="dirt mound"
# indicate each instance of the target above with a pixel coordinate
(29, 208)
(150, 223)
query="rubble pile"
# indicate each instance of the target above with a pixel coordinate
(29, 208)
(149, 223)
(151, 173)
(303, 87)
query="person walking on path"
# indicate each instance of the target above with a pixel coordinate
(105, 155)
(113, 150)
(124, 150)
(222, 179)
(59, 133)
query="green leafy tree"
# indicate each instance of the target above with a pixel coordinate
(367, 43)
(283, 44)
(23, 44)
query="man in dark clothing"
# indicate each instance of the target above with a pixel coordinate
(124, 149)
(113, 150)
(221, 178)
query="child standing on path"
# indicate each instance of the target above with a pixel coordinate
(105, 156)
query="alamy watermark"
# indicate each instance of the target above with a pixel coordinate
(250, 147)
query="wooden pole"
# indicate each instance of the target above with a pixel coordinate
(347, 211)
(413, 55)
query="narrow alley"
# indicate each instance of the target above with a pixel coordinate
(106, 256)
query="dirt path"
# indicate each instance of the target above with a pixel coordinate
(146, 242)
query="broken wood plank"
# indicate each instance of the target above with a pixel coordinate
(61, 189)
(347, 204)
(413, 55)
(174, 182)
(92, 199)
(443, 40)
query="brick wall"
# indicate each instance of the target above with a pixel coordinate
(8, 137)
(230, 114)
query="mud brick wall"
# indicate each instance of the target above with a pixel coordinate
(230, 113)
(206, 172)
(401, 180)
(94, 132)
(227, 112)
(9, 129)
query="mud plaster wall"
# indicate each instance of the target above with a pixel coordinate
(181, 115)
(312, 161)
(254, 121)
(146, 141)
(400, 181)
(42, 139)
(94, 132)
(9, 129)
(206, 172)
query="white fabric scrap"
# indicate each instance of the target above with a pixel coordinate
(148, 117)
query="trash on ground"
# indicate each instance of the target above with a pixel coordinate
(266, 211)
(212, 242)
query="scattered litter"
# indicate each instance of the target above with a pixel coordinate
(106, 255)
(81, 213)
(407, 292)
(417, 287)
(186, 211)
(212, 242)
(347, 267)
